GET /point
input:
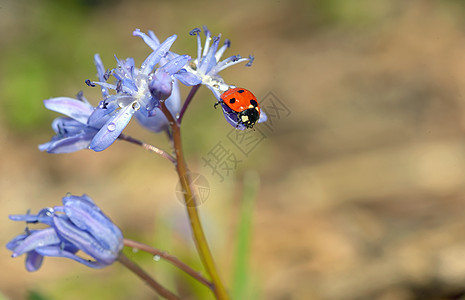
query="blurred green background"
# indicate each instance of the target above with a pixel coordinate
(362, 173)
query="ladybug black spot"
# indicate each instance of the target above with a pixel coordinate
(240, 91)
(232, 100)
(254, 103)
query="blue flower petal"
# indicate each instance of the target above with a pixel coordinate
(85, 241)
(161, 85)
(155, 120)
(68, 144)
(154, 58)
(36, 239)
(65, 126)
(187, 78)
(33, 261)
(57, 251)
(148, 40)
(208, 61)
(70, 107)
(176, 64)
(79, 225)
(113, 128)
(263, 117)
(44, 216)
(101, 73)
(17, 240)
(87, 216)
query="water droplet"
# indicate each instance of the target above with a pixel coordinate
(135, 105)
(135, 250)
(156, 257)
(111, 126)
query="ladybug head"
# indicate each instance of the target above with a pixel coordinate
(249, 117)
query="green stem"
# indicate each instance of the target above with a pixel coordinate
(190, 202)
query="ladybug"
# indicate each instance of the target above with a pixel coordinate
(241, 106)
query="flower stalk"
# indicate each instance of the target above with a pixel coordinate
(147, 147)
(125, 261)
(172, 259)
(190, 202)
(188, 101)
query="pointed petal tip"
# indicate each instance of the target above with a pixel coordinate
(136, 32)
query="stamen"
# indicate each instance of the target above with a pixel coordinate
(119, 86)
(195, 31)
(251, 59)
(89, 83)
(227, 62)
(107, 74)
(104, 104)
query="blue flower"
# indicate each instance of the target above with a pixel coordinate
(205, 68)
(78, 225)
(134, 94)
(74, 132)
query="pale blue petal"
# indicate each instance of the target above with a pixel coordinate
(263, 117)
(33, 261)
(57, 251)
(78, 110)
(101, 73)
(112, 129)
(160, 86)
(38, 238)
(68, 144)
(85, 241)
(175, 64)
(148, 40)
(148, 65)
(44, 216)
(88, 217)
(188, 78)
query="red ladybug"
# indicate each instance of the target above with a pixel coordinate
(241, 106)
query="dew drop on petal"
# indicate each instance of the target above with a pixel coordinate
(135, 105)
(156, 257)
(111, 126)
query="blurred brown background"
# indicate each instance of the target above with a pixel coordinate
(362, 190)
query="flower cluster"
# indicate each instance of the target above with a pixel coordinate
(137, 91)
(77, 225)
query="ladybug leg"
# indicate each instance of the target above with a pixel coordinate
(216, 104)
(239, 119)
